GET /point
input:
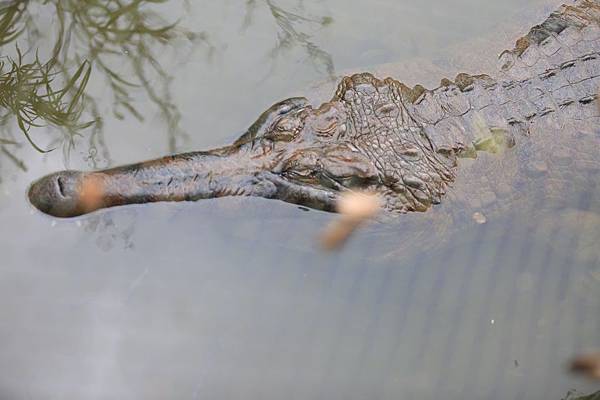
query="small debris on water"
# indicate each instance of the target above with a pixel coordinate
(492, 322)
(91, 193)
(354, 209)
(479, 218)
(587, 365)
(358, 205)
(516, 363)
(537, 167)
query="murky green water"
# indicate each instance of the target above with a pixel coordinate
(231, 298)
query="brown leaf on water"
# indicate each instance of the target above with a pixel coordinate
(479, 218)
(354, 208)
(587, 365)
(91, 193)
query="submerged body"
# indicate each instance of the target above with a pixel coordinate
(381, 136)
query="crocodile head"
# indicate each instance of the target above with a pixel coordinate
(368, 137)
(363, 139)
(302, 153)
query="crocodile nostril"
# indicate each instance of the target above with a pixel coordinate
(61, 187)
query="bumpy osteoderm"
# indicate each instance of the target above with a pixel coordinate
(412, 174)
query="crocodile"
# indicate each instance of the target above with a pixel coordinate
(380, 135)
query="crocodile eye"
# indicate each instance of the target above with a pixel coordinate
(287, 124)
(265, 125)
(285, 129)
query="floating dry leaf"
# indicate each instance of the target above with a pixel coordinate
(479, 218)
(91, 193)
(587, 365)
(354, 209)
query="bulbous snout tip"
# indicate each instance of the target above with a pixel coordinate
(58, 194)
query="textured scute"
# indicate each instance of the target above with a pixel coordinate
(414, 174)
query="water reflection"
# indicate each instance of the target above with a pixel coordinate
(117, 40)
(291, 33)
(110, 233)
(26, 93)
(122, 44)
(229, 299)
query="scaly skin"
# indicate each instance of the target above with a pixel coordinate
(382, 136)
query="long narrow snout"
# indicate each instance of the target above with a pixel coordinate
(274, 159)
(190, 176)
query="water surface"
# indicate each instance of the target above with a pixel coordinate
(232, 298)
